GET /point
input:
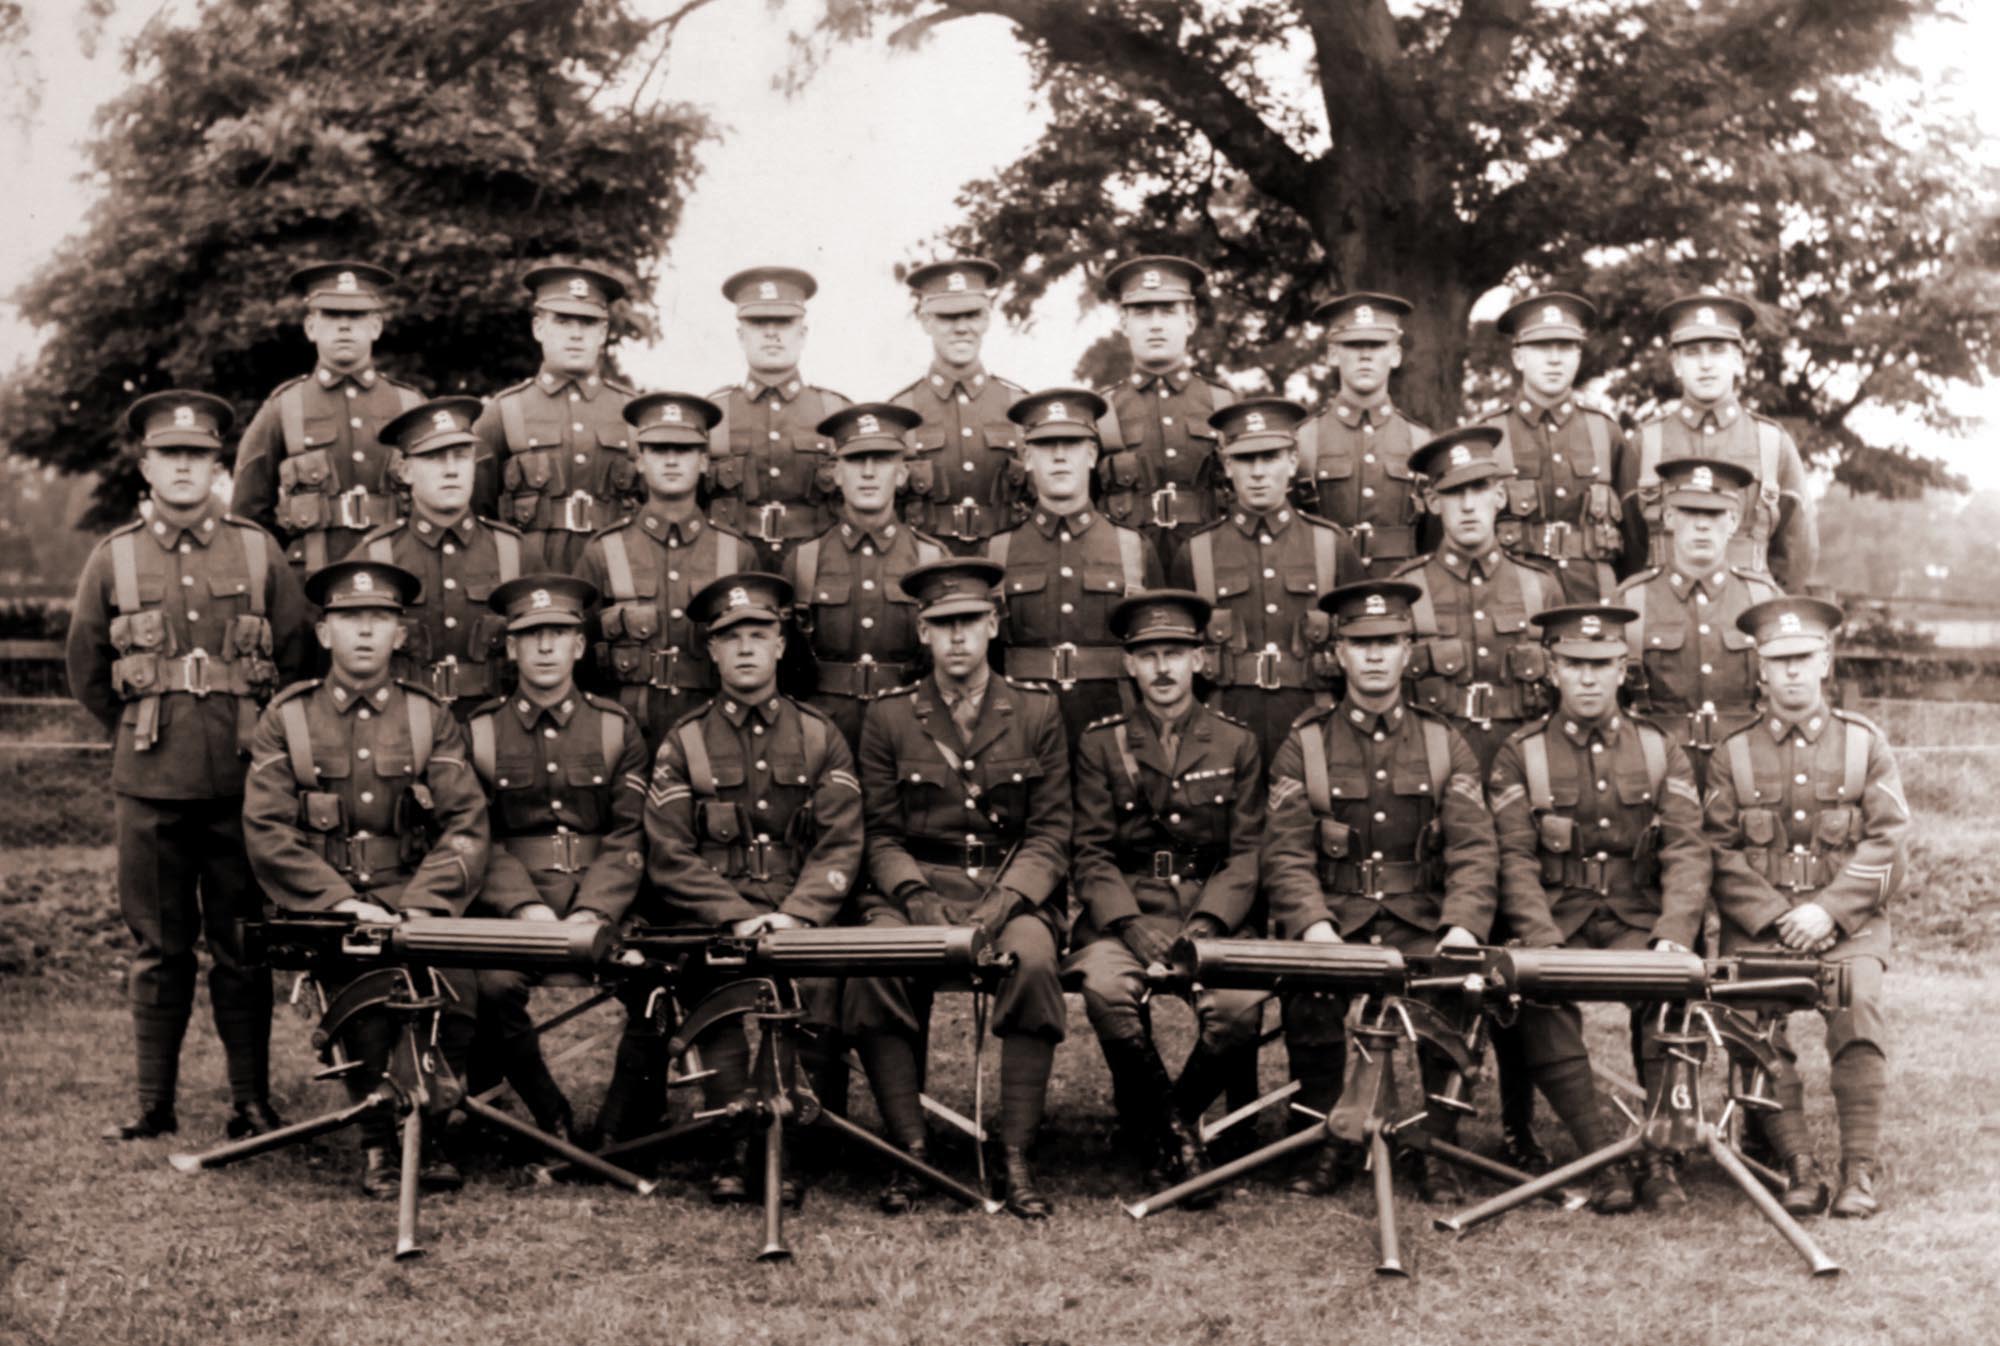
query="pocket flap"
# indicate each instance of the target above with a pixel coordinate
(1001, 435)
(1030, 581)
(927, 438)
(835, 589)
(1760, 827)
(310, 468)
(1103, 580)
(319, 432)
(1524, 500)
(1447, 657)
(1301, 582)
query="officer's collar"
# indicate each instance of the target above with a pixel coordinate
(784, 389)
(170, 526)
(1808, 725)
(333, 378)
(1687, 586)
(1365, 721)
(551, 381)
(1720, 414)
(1176, 378)
(737, 711)
(662, 522)
(1555, 413)
(530, 712)
(944, 378)
(1078, 523)
(1273, 522)
(1462, 565)
(348, 694)
(1580, 731)
(1354, 414)
(881, 535)
(1181, 724)
(973, 689)
(434, 532)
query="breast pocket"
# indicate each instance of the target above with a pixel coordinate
(1733, 640)
(1027, 582)
(1230, 582)
(586, 771)
(1103, 580)
(515, 771)
(1301, 582)
(1008, 783)
(833, 590)
(1001, 435)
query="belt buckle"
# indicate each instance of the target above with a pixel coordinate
(661, 674)
(864, 677)
(1065, 670)
(351, 508)
(1163, 865)
(757, 858)
(1267, 668)
(1163, 506)
(444, 678)
(770, 521)
(566, 862)
(1701, 727)
(577, 514)
(975, 855)
(196, 662)
(965, 519)
(1364, 541)
(1798, 871)
(1555, 540)
(1370, 871)
(1597, 874)
(1479, 701)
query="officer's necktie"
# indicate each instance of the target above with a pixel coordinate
(964, 712)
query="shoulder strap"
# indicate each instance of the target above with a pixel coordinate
(996, 549)
(125, 573)
(1653, 747)
(1599, 430)
(1741, 773)
(1201, 551)
(1122, 737)
(292, 417)
(611, 736)
(1423, 612)
(1769, 437)
(1132, 557)
(1437, 754)
(513, 423)
(928, 552)
(421, 727)
(805, 571)
(298, 741)
(1220, 395)
(1535, 763)
(1534, 594)
(1854, 768)
(485, 748)
(701, 776)
(618, 567)
(1652, 442)
(1319, 790)
(406, 396)
(725, 553)
(382, 549)
(1109, 432)
(257, 558)
(1503, 452)
(815, 736)
(508, 545)
(1635, 631)
(1323, 559)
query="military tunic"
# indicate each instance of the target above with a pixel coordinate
(556, 461)
(859, 625)
(770, 470)
(310, 466)
(1158, 467)
(1354, 462)
(1778, 533)
(1064, 575)
(966, 478)
(1562, 502)
(1269, 657)
(646, 570)
(1160, 842)
(1691, 671)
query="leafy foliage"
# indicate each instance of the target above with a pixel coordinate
(450, 143)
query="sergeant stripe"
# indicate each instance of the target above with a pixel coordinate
(636, 781)
(839, 777)
(1511, 795)
(1469, 787)
(1283, 791)
(1684, 790)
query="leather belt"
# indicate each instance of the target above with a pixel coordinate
(968, 520)
(1174, 864)
(959, 855)
(1377, 879)
(558, 852)
(449, 679)
(1556, 541)
(1384, 541)
(865, 678)
(1066, 663)
(572, 513)
(359, 508)
(1173, 505)
(197, 673)
(1601, 873)
(1703, 730)
(1481, 702)
(1267, 669)
(364, 855)
(1798, 871)
(671, 670)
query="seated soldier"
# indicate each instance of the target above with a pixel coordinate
(566, 773)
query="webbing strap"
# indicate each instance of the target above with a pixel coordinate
(805, 571)
(1769, 437)
(315, 544)
(725, 553)
(1132, 557)
(292, 418)
(996, 549)
(1437, 755)
(298, 742)
(1125, 758)
(928, 552)
(1319, 790)
(618, 569)
(1535, 764)
(125, 573)
(815, 736)
(382, 549)
(1201, 549)
(701, 776)
(1323, 558)
(406, 397)
(420, 730)
(1653, 747)
(257, 559)
(1534, 594)
(1109, 433)
(611, 737)
(1423, 612)
(1599, 430)
(1503, 452)
(485, 751)
(1652, 442)
(1741, 773)
(508, 546)
(1635, 631)
(513, 423)
(1854, 769)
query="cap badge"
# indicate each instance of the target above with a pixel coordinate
(345, 283)
(364, 582)
(1552, 314)
(184, 418)
(1254, 421)
(579, 288)
(1788, 624)
(1150, 280)
(867, 424)
(1705, 316)
(955, 282)
(1376, 606)
(1703, 479)
(442, 420)
(1364, 315)
(739, 598)
(1460, 455)
(767, 290)
(1592, 625)
(539, 598)
(670, 414)
(1056, 412)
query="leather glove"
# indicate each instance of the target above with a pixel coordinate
(1147, 944)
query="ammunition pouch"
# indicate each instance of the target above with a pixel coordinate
(139, 632)
(630, 622)
(1120, 478)
(1336, 839)
(670, 669)
(719, 822)
(1527, 664)
(1557, 836)
(196, 673)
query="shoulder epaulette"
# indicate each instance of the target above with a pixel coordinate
(905, 690)
(616, 525)
(1311, 715)
(722, 392)
(1589, 410)
(1227, 718)
(918, 534)
(689, 716)
(1530, 729)
(400, 383)
(1536, 563)
(618, 387)
(134, 523)
(299, 688)
(290, 382)
(1639, 577)
(1105, 721)
(1320, 520)
(1755, 576)
(807, 708)
(421, 690)
(383, 530)
(1214, 524)
(1011, 385)
(905, 390)
(1030, 687)
(511, 389)
(606, 703)
(488, 707)
(500, 526)
(1414, 563)
(1856, 717)
(1426, 713)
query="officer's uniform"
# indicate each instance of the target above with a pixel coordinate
(648, 568)
(1693, 672)
(966, 480)
(770, 470)
(1811, 810)
(184, 622)
(1354, 460)
(1562, 500)
(363, 791)
(859, 625)
(1377, 823)
(1164, 835)
(567, 781)
(454, 643)
(1476, 662)
(970, 827)
(1600, 848)
(1264, 574)
(555, 451)
(1158, 472)
(1065, 575)
(311, 466)
(1779, 532)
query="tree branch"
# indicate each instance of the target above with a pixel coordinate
(1482, 34)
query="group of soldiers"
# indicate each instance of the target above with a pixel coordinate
(979, 655)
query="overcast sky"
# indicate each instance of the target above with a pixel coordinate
(846, 179)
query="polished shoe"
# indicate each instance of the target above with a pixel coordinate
(899, 1195)
(1024, 1196)
(1439, 1183)
(1857, 1199)
(154, 1121)
(255, 1118)
(1660, 1185)
(1520, 1150)
(379, 1176)
(438, 1174)
(1611, 1190)
(1805, 1189)
(726, 1185)
(1331, 1167)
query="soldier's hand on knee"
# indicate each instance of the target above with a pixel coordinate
(367, 911)
(1457, 937)
(1670, 946)
(1805, 926)
(584, 916)
(535, 911)
(1147, 944)
(1202, 925)
(1320, 932)
(770, 920)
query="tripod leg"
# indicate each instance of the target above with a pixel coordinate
(1210, 1130)
(694, 1126)
(577, 1156)
(1229, 1172)
(1767, 1205)
(774, 1249)
(944, 1182)
(1548, 1182)
(1391, 1263)
(406, 1196)
(1416, 1138)
(252, 1146)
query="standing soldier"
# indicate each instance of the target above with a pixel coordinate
(311, 466)
(453, 642)
(1600, 848)
(753, 823)
(1692, 671)
(1169, 816)
(554, 450)
(1377, 832)
(966, 778)
(1808, 820)
(1159, 472)
(1068, 566)
(858, 624)
(1777, 533)
(770, 475)
(1356, 453)
(360, 801)
(649, 567)
(566, 773)
(966, 482)
(1562, 503)
(184, 622)
(1264, 567)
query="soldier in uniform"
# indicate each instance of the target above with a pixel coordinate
(311, 466)
(1692, 672)
(966, 777)
(1777, 533)
(1355, 455)
(1562, 501)
(566, 773)
(770, 474)
(1806, 813)
(1264, 567)
(1600, 848)
(555, 457)
(1068, 565)
(859, 625)
(966, 482)
(453, 642)
(1169, 817)
(184, 622)
(1377, 832)
(1158, 471)
(753, 823)
(360, 801)
(649, 567)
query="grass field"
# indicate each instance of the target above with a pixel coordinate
(107, 1244)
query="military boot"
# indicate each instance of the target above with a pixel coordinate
(1660, 1183)
(726, 1185)
(1024, 1195)
(380, 1175)
(158, 1120)
(1327, 1169)
(254, 1117)
(900, 1193)
(1857, 1200)
(1805, 1189)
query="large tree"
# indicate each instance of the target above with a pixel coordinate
(451, 143)
(1628, 149)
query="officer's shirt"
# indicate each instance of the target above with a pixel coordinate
(1064, 576)
(344, 415)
